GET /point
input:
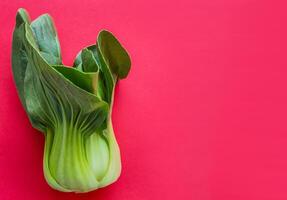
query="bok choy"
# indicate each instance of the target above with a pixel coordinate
(72, 106)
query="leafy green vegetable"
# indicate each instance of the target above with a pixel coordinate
(71, 105)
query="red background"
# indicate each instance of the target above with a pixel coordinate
(201, 116)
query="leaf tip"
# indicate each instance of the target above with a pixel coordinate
(22, 17)
(114, 53)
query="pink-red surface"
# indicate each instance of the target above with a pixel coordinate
(202, 115)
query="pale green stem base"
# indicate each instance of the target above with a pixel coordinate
(77, 163)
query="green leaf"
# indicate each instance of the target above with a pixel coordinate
(86, 81)
(89, 63)
(114, 54)
(50, 98)
(19, 59)
(47, 40)
(106, 82)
